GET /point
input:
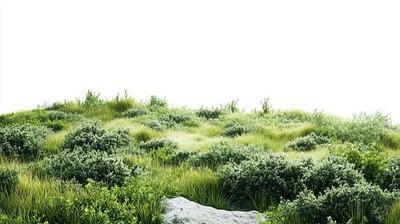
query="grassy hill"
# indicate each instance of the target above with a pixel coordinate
(113, 161)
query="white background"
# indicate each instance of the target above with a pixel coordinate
(339, 56)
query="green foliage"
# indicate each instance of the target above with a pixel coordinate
(222, 153)
(172, 119)
(120, 105)
(232, 106)
(156, 144)
(170, 156)
(103, 205)
(346, 204)
(91, 136)
(332, 172)
(55, 120)
(8, 180)
(157, 103)
(393, 215)
(235, 129)
(272, 175)
(135, 112)
(266, 108)
(364, 128)
(368, 159)
(92, 100)
(391, 175)
(80, 165)
(208, 114)
(307, 142)
(25, 142)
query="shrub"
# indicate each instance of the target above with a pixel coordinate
(364, 128)
(170, 156)
(172, 119)
(361, 203)
(92, 100)
(368, 159)
(332, 172)
(391, 175)
(8, 180)
(135, 112)
(306, 143)
(266, 107)
(223, 153)
(272, 175)
(233, 130)
(120, 105)
(80, 165)
(24, 142)
(103, 205)
(155, 125)
(209, 113)
(90, 136)
(155, 144)
(156, 102)
(232, 106)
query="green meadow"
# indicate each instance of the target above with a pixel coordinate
(114, 160)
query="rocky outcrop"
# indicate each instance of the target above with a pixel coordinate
(180, 210)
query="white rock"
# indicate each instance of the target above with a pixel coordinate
(180, 210)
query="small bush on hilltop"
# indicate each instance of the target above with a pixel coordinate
(209, 113)
(8, 180)
(306, 143)
(23, 142)
(157, 103)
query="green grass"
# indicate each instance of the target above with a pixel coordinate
(38, 198)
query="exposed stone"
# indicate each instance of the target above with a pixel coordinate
(180, 210)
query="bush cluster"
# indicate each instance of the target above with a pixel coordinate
(25, 142)
(307, 142)
(8, 180)
(368, 159)
(222, 153)
(332, 172)
(103, 205)
(209, 113)
(272, 175)
(361, 203)
(135, 112)
(157, 103)
(391, 175)
(235, 129)
(80, 165)
(91, 136)
(156, 144)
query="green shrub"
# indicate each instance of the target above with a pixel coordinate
(361, 203)
(368, 159)
(172, 119)
(120, 105)
(232, 106)
(103, 205)
(81, 165)
(364, 128)
(135, 112)
(91, 136)
(155, 144)
(156, 103)
(156, 125)
(8, 180)
(332, 172)
(307, 142)
(273, 176)
(24, 142)
(92, 100)
(209, 113)
(234, 130)
(391, 175)
(171, 156)
(222, 153)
